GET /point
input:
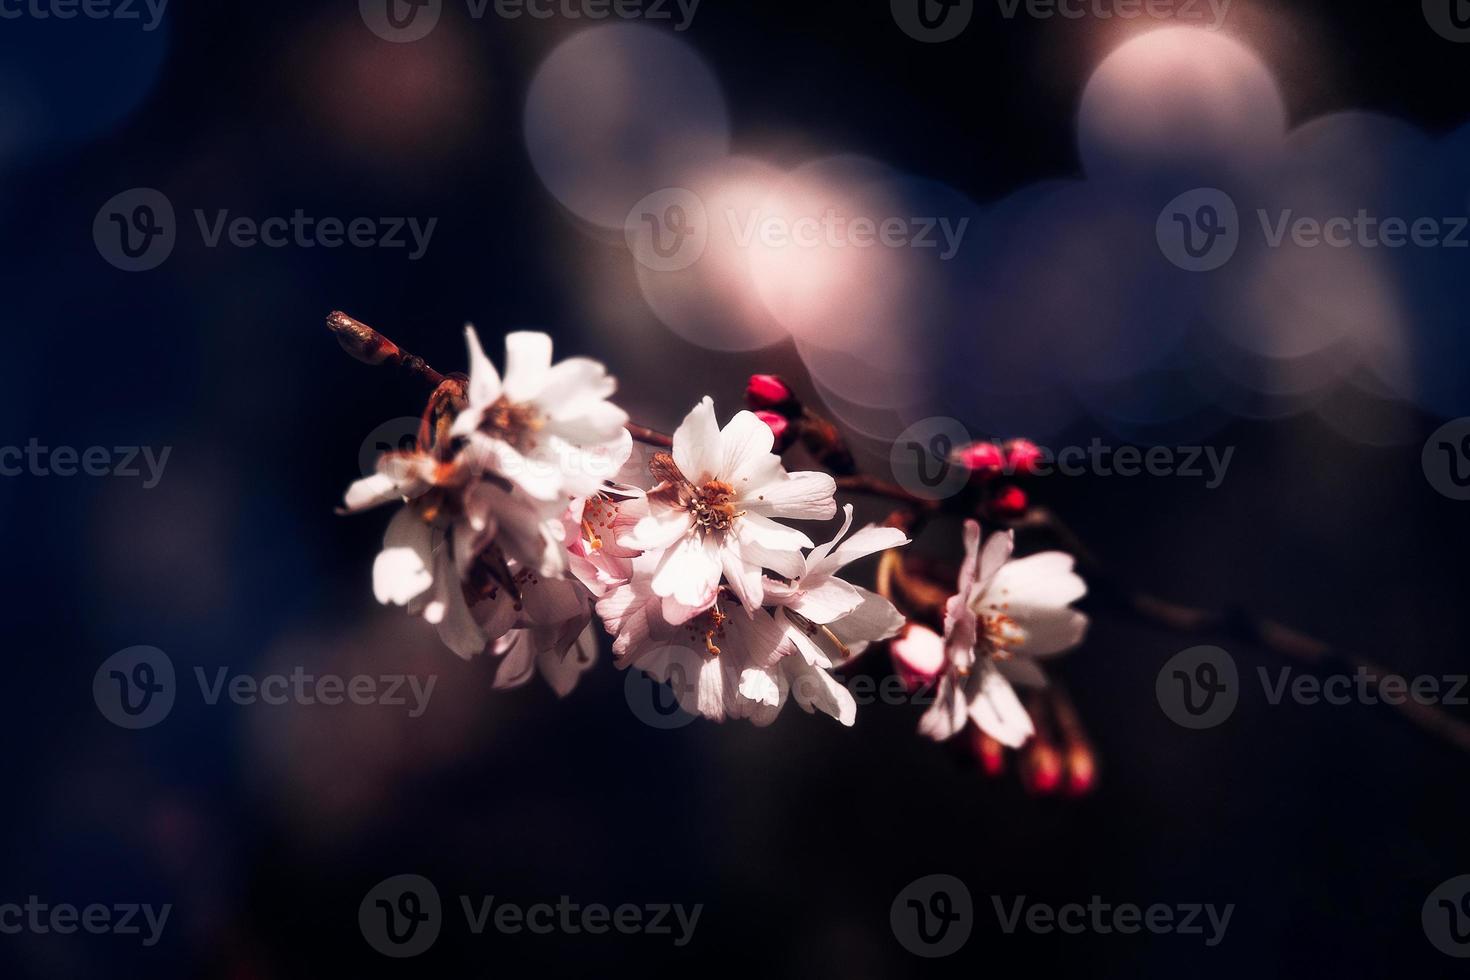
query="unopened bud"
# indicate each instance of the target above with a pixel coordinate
(1008, 504)
(767, 391)
(1022, 456)
(982, 458)
(778, 423)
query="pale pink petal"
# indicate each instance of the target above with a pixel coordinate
(918, 654)
(484, 386)
(817, 690)
(527, 364)
(697, 445)
(403, 570)
(807, 495)
(946, 716)
(690, 570)
(746, 458)
(995, 708)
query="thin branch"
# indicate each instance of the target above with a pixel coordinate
(371, 347)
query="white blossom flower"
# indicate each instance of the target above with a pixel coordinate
(720, 664)
(1004, 614)
(713, 512)
(547, 428)
(830, 621)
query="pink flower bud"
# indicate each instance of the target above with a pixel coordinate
(766, 391)
(778, 423)
(983, 458)
(1022, 456)
(1008, 503)
(918, 656)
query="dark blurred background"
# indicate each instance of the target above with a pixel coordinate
(1060, 319)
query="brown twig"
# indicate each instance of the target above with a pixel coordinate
(371, 347)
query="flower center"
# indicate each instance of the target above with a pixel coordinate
(1003, 632)
(512, 422)
(713, 506)
(707, 627)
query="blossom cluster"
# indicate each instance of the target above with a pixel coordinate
(526, 514)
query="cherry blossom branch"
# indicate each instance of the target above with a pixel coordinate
(1240, 624)
(371, 347)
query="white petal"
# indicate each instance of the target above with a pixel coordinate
(993, 557)
(660, 529)
(875, 619)
(817, 690)
(760, 686)
(828, 602)
(743, 577)
(484, 386)
(527, 364)
(371, 491)
(690, 571)
(995, 708)
(518, 659)
(562, 670)
(804, 496)
(403, 570)
(867, 541)
(766, 544)
(746, 458)
(946, 716)
(697, 444)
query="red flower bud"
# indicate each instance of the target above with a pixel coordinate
(983, 458)
(1008, 503)
(1022, 456)
(766, 391)
(778, 423)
